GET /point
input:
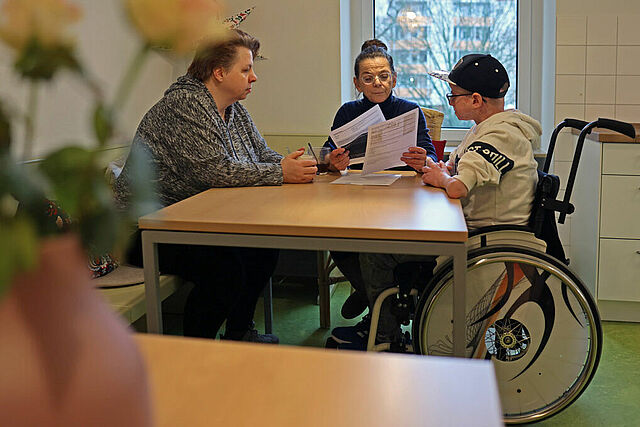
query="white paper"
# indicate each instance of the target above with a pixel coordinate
(374, 179)
(388, 140)
(353, 135)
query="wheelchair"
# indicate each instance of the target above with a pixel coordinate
(526, 310)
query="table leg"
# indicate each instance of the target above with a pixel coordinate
(267, 295)
(459, 295)
(151, 284)
(324, 296)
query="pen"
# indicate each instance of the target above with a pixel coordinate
(313, 152)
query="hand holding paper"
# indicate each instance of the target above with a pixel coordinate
(387, 141)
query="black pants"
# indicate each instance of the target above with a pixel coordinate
(227, 283)
(349, 265)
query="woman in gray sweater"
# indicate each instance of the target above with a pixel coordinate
(199, 136)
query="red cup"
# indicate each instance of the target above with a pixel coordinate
(439, 146)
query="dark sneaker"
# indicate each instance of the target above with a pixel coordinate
(401, 344)
(358, 334)
(251, 336)
(357, 346)
(354, 305)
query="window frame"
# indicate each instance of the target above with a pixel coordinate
(533, 19)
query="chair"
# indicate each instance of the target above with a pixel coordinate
(316, 264)
(434, 122)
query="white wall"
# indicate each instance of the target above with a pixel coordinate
(597, 69)
(298, 87)
(105, 45)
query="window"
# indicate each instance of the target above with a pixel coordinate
(424, 35)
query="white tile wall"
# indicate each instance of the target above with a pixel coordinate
(602, 30)
(572, 111)
(571, 30)
(595, 111)
(570, 59)
(628, 90)
(605, 82)
(565, 146)
(570, 89)
(628, 30)
(601, 60)
(628, 113)
(628, 61)
(600, 90)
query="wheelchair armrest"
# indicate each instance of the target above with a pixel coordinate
(500, 227)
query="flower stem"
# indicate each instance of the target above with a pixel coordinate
(124, 89)
(30, 121)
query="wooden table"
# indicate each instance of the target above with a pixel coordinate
(197, 382)
(406, 217)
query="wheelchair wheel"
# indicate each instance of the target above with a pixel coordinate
(530, 315)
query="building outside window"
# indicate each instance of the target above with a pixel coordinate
(425, 35)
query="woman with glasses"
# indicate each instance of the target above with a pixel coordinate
(375, 78)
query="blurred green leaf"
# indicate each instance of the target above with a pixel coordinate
(102, 123)
(41, 63)
(70, 172)
(142, 179)
(23, 187)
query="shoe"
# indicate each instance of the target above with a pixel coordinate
(251, 335)
(354, 305)
(402, 344)
(358, 334)
(356, 346)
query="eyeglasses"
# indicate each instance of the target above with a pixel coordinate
(369, 79)
(450, 95)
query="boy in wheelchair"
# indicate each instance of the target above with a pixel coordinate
(492, 171)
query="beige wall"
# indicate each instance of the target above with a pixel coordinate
(597, 69)
(105, 45)
(298, 87)
(294, 100)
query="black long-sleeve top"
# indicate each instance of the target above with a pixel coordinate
(391, 107)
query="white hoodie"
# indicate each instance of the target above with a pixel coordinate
(495, 162)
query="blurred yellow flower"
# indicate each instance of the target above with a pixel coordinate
(177, 24)
(42, 21)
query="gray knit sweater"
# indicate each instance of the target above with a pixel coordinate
(193, 149)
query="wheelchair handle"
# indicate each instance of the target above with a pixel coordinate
(617, 126)
(570, 123)
(614, 125)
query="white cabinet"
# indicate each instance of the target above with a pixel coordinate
(605, 228)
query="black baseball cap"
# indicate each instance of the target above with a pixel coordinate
(479, 73)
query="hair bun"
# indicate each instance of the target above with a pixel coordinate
(373, 42)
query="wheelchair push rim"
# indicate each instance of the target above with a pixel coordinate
(530, 315)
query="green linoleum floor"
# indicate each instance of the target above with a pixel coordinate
(612, 398)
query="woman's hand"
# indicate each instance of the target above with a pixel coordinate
(339, 159)
(416, 157)
(296, 171)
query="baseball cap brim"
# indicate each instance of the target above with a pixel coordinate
(442, 75)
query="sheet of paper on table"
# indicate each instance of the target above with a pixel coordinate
(372, 179)
(387, 141)
(353, 135)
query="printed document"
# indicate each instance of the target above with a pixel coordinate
(353, 135)
(388, 140)
(373, 179)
